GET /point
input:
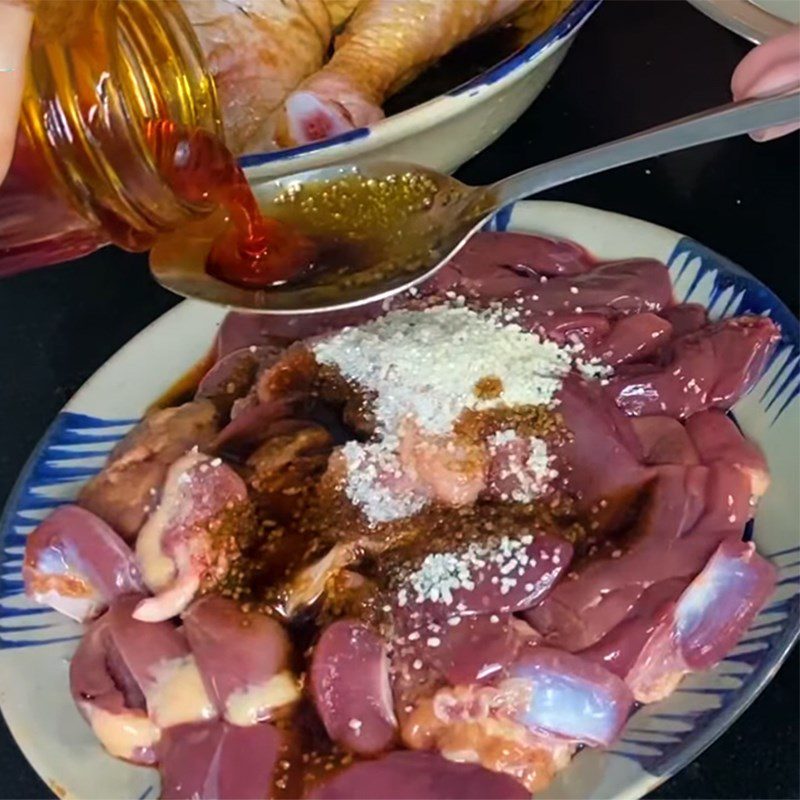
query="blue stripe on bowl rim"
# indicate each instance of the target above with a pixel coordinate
(577, 13)
(258, 159)
(47, 467)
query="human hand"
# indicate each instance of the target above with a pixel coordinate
(767, 69)
(15, 32)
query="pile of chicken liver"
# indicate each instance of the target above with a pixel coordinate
(425, 549)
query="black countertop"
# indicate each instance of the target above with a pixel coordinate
(635, 64)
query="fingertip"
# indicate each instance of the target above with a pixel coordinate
(776, 132)
(14, 36)
(771, 66)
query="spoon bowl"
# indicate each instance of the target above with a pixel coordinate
(385, 226)
(382, 227)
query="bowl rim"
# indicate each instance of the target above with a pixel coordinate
(502, 73)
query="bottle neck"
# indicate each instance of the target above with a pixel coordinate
(99, 70)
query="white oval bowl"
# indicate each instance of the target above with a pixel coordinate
(448, 130)
(36, 644)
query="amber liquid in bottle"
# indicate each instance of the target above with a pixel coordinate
(120, 141)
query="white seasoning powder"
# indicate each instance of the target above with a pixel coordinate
(426, 364)
(441, 574)
(371, 469)
(355, 725)
(532, 474)
(503, 437)
(593, 368)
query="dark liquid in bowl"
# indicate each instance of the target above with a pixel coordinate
(478, 55)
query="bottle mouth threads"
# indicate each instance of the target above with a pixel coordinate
(93, 89)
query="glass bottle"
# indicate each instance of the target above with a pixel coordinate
(84, 171)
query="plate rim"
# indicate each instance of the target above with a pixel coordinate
(749, 21)
(648, 781)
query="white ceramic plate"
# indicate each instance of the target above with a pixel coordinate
(36, 644)
(755, 20)
(787, 10)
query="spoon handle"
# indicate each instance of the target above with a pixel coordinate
(707, 126)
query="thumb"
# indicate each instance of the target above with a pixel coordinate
(15, 30)
(767, 69)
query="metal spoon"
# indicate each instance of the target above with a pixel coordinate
(403, 244)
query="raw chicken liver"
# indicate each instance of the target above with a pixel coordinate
(131, 680)
(711, 368)
(516, 255)
(570, 697)
(664, 440)
(719, 441)
(689, 511)
(218, 761)
(705, 623)
(404, 775)
(610, 289)
(178, 545)
(75, 563)
(349, 682)
(125, 491)
(544, 570)
(243, 659)
(601, 460)
(108, 696)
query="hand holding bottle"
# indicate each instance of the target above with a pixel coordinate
(15, 30)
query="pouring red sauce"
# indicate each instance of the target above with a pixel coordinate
(253, 251)
(41, 224)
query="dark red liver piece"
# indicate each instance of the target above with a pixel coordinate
(618, 650)
(77, 564)
(218, 761)
(664, 440)
(474, 650)
(719, 441)
(689, 511)
(612, 289)
(101, 684)
(519, 256)
(233, 374)
(235, 651)
(349, 683)
(417, 775)
(633, 338)
(601, 459)
(711, 368)
(685, 317)
(125, 491)
(509, 581)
